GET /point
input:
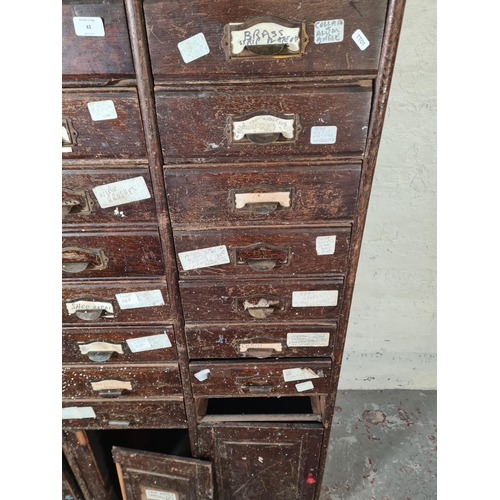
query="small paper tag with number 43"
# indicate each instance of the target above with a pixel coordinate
(88, 26)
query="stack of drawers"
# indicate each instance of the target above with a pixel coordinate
(215, 296)
(116, 304)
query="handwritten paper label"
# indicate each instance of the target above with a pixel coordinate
(324, 135)
(325, 245)
(111, 384)
(298, 374)
(314, 339)
(304, 386)
(263, 124)
(121, 192)
(88, 26)
(361, 41)
(102, 110)
(204, 257)
(202, 375)
(135, 300)
(329, 31)
(193, 48)
(276, 346)
(149, 343)
(160, 495)
(87, 305)
(315, 298)
(265, 34)
(78, 412)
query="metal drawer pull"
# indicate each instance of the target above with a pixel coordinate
(76, 202)
(69, 136)
(258, 349)
(263, 127)
(265, 37)
(100, 351)
(259, 353)
(111, 388)
(260, 307)
(258, 389)
(262, 256)
(261, 199)
(118, 423)
(77, 259)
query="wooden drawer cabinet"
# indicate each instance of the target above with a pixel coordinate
(218, 158)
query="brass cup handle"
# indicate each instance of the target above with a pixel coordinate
(260, 312)
(262, 202)
(89, 315)
(100, 351)
(77, 259)
(259, 389)
(111, 388)
(259, 353)
(76, 202)
(262, 256)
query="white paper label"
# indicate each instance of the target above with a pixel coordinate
(202, 375)
(263, 124)
(304, 386)
(324, 135)
(102, 110)
(329, 31)
(149, 343)
(204, 257)
(121, 192)
(276, 346)
(315, 298)
(315, 339)
(88, 26)
(135, 300)
(66, 140)
(298, 374)
(160, 495)
(78, 412)
(87, 305)
(193, 48)
(265, 34)
(325, 245)
(361, 41)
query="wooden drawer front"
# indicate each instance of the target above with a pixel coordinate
(80, 205)
(266, 252)
(140, 414)
(226, 378)
(107, 56)
(262, 195)
(121, 382)
(260, 341)
(170, 22)
(270, 460)
(120, 137)
(123, 345)
(97, 304)
(113, 254)
(258, 301)
(195, 124)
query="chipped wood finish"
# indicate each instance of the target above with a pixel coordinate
(86, 58)
(121, 137)
(130, 414)
(265, 460)
(193, 125)
(199, 197)
(169, 22)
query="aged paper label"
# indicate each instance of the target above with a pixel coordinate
(88, 305)
(315, 298)
(121, 192)
(100, 347)
(78, 412)
(293, 374)
(102, 110)
(276, 346)
(193, 48)
(325, 245)
(204, 257)
(329, 31)
(304, 386)
(88, 26)
(135, 300)
(282, 198)
(361, 41)
(149, 343)
(111, 384)
(318, 339)
(263, 124)
(324, 135)
(265, 34)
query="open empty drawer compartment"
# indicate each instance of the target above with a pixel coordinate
(266, 409)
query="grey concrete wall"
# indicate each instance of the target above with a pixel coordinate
(391, 339)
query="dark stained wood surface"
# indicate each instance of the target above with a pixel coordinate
(170, 22)
(121, 137)
(193, 124)
(88, 57)
(207, 196)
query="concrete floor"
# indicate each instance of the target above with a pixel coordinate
(382, 446)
